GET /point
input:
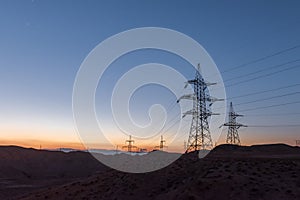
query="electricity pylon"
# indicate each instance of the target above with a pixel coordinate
(130, 146)
(199, 136)
(161, 144)
(233, 126)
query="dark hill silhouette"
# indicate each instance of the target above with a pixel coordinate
(255, 151)
(26, 169)
(228, 172)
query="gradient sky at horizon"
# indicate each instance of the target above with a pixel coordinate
(43, 43)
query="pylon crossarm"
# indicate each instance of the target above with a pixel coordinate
(194, 81)
(213, 99)
(233, 114)
(214, 113)
(186, 96)
(190, 112)
(234, 124)
(210, 84)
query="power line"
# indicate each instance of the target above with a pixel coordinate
(271, 106)
(275, 125)
(261, 59)
(176, 116)
(170, 127)
(273, 115)
(265, 75)
(264, 99)
(179, 137)
(258, 77)
(171, 107)
(172, 103)
(264, 91)
(165, 130)
(254, 78)
(262, 70)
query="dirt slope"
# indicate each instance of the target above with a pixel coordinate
(228, 172)
(23, 170)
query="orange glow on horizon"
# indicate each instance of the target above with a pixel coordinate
(72, 141)
(37, 144)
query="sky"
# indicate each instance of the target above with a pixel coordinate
(43, 43)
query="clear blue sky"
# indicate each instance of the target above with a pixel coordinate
(43, 43)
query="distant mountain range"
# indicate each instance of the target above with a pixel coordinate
(102, 151)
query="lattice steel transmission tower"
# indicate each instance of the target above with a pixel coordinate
(130, 146)
(161, 144)
(199, 136)
(233, 126)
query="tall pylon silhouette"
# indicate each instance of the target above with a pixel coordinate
(199, 136)
(233, 135)
(161, 144)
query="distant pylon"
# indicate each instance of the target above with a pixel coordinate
(117, 149)
(161, 144)
(233, 126)
(130, 146)
(297, 142)
(199, 136)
